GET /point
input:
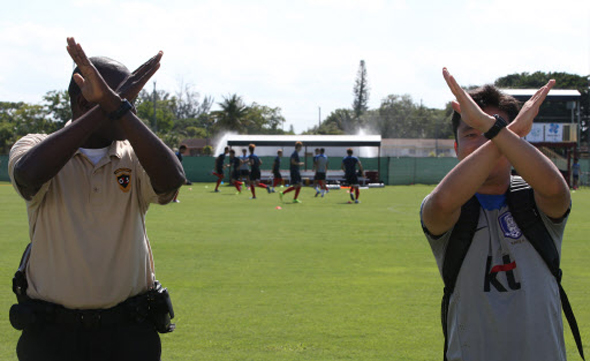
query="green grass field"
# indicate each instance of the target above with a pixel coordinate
(321, 280)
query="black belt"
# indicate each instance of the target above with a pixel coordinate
(134, 309)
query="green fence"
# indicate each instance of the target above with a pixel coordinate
(393, 171)
(4, 168)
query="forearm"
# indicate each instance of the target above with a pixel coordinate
(160, 163)
(551, 190)
(443, 207)
(45, 160)
(470, 174)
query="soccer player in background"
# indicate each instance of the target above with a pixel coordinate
(219, 168)
(294, 164)
(234, 164)
(314, 168)
(576, 173)
(245, 167)
(349, 164)
(321, 168)
(255, 164)
(276, 170)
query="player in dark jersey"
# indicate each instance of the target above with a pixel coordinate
(234, 164)
(349, 164)
(295, 175)
(321, 168)
(244, 167)
(315, 171)
(276, 170)
(218, 172)
(255, 163)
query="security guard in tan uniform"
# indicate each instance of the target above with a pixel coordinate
(91, 292)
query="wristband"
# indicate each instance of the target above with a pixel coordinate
(496, 128)
(123, 109)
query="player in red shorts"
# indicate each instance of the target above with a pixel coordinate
(255, 163)
(295, 175)
(219, 168)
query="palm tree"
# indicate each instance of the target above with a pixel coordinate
(232, 115)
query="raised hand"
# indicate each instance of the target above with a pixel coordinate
(131, 87)
(93, 87)
(470, 112)
(523, 122)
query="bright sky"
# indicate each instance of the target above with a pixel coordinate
(296, 55)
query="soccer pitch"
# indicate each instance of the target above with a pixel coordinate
(320, 280)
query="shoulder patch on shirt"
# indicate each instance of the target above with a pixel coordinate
(509, 226)
(123, 176)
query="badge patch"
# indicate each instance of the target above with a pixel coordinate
(123, 176)
(509, 226)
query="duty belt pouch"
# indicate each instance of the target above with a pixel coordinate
(20, 314)
(160, 308)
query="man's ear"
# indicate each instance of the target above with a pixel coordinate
(455, 145)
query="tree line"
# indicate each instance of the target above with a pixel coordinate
(185, 114)
(399, 116)
(172, 116)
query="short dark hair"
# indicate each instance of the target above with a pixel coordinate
(298, 143)
(113, 72)
(490, 96)
(349, 151)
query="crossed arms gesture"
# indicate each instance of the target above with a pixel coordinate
(478, 171)
(475, 117)
(96, 90)
(42, 162)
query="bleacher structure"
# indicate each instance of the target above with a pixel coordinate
(556, 135)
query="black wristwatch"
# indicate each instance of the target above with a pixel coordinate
(496, 128)
(123, 108)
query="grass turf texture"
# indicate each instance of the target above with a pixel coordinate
(321, 280)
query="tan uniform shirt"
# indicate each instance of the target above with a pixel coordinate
(87, 227)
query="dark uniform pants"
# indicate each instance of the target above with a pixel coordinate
(130, 341)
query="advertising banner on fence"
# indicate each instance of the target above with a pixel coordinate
(537, 133)
(553, 132)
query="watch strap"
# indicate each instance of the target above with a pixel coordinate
(495, 129)
(123, 109)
